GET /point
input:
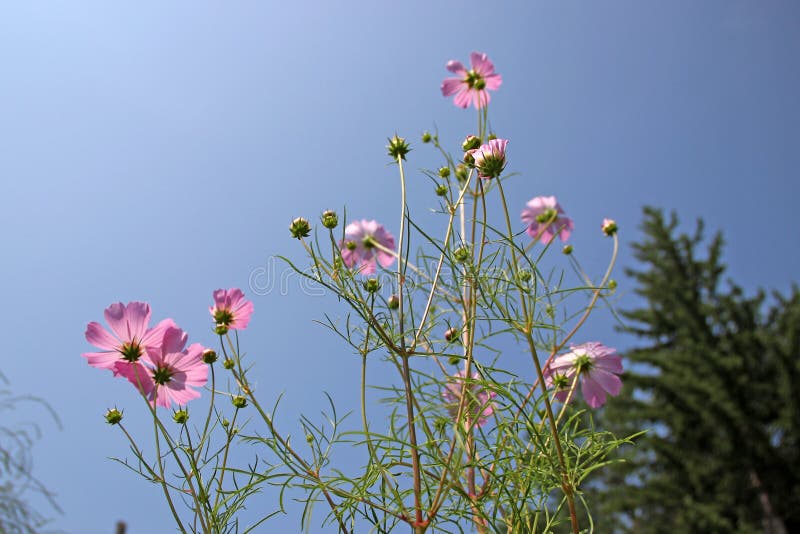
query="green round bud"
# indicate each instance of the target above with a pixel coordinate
(221, 329)
(397, 147)
(461, 254)
(371, 285)
(567, 249)
(300, 228)
(461, 172)
(524, 275)
(471, 143)
(426, 137)
(394, 302)
(239, 401)
(180, 417)
(612, 284)
(209, 356)
(329, 219)
(113, 416)
(454, 360)
(309, 438)
(441, 190)
(225, 423)
(228, 363)
(444, 172)
(550, 311)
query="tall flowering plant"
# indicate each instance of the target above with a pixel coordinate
(469, 441)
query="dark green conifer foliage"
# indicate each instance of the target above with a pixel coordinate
(716, 379)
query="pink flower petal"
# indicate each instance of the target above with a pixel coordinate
(100, 337)
(456, 67)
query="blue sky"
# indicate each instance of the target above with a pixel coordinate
(157, 151)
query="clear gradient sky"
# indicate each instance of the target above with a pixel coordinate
(157, 151)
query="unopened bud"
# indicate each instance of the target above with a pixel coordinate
(612, 284)
(461, 254)
(444, 172)
(239, 401)
(470, 143)
(228, 363)
(426, 137)
(329, 219)
(180, 417)
(461, 172)
(300, 228)
(113, 416)
(451, 334)
(454, 360)
(524, 275)
(441, 190)
(609, 227)
(209, 356)
(371, 285)
(397, 147)
(567, 249)
(394, 302)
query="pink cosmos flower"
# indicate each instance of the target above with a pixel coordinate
(230, 309)
(490, 159)
(364, 243)
(174, 372)
(594, 365)
(472, 85)
(129, 340)
(546, 219)
(478, 404)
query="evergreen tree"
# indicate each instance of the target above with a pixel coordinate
(717, 383)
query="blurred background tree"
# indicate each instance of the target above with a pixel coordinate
(717, 383)
(18, 487)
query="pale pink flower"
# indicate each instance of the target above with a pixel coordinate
(231, 309)
(596, 368)
(472, 85)
(130, 337)
(174, 373)
(490, 159)
(546, 219)
(366, 242)
(478, 405)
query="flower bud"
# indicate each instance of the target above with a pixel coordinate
(612, 284)
(426, 137)
(451, 335)
(180, 417)
(469, 160)
(371, 285)
(524, 275)
(609, 227)
(397, 147)
(239, 401)
(300, 228)
(550, 311)
(567, 249)
(461, 254)
(228, 364)
(113, 416)
(225, 423)
(471, 143)
(444, 172)
(393, 303)
(441, 190)
(221, 329)
(454, 360)
(209, 356)
(461, 172)
(329, 219)
(309, 438)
